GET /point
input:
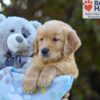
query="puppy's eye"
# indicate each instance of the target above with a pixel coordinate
(41, 39)
(12, 30)
(55, 39)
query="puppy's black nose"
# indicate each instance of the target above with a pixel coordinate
(19, 39)
(44, 51)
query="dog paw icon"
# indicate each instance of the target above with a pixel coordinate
(87, 5)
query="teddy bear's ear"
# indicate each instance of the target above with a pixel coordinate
(36, 24)
(2, 17)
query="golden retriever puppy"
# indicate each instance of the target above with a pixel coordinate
(55, 45)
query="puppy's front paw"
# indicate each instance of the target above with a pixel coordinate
(29, 86)
(44, 82)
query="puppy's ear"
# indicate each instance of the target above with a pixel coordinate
(72, 41)
(35, 46)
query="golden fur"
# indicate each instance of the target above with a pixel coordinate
(62, 42)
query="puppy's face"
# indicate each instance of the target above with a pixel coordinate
(54, 41)
(50, 44)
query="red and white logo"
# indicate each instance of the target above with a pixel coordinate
(91, 9)
(88, 4)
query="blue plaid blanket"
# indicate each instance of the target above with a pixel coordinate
(11, 87)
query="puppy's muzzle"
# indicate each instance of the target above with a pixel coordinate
(44, 51)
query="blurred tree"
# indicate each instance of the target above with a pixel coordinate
(87, 87)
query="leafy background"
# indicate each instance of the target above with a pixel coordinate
(87, 86)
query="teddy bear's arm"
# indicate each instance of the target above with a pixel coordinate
(25, 66)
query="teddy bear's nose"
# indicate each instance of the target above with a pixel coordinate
(19, 39)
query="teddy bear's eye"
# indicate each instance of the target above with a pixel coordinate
(12, 30)
(25, 35)
(25, 32)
